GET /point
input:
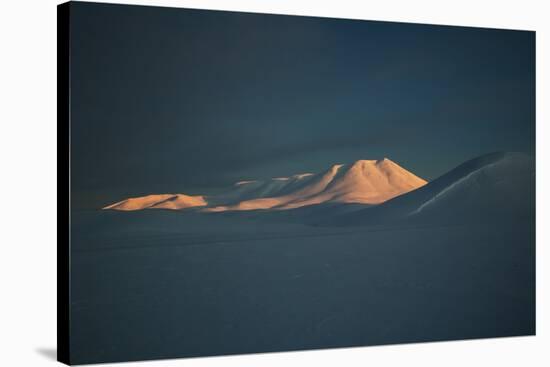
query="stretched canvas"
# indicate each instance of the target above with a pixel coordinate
(239, 183)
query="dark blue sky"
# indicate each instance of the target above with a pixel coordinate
(176, 100)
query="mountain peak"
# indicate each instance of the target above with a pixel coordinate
(369, 165)
(371, 161)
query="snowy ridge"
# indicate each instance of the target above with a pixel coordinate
(448, 189)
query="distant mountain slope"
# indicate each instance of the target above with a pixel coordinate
(368, 182)
(163, 201)
(492, 186)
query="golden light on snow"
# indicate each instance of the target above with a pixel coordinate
(364, 182)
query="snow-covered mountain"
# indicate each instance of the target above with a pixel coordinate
(371, 192)
(365, 182)
(368, 182)
(493, 186)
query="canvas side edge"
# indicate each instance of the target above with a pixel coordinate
(63, 183)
